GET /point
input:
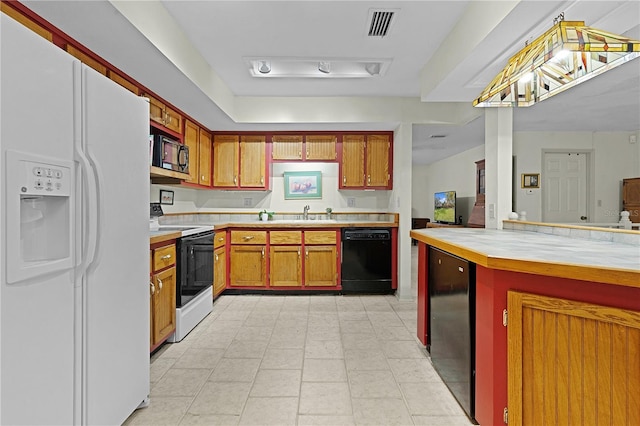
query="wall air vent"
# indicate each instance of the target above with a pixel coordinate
(380, 22)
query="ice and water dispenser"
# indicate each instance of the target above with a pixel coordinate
(40, 213)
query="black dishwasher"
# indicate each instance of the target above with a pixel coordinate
(451, 329)
(366, 260)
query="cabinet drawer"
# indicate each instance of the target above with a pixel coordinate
(319, 237)
(285, 237)
(248, 237)
(219, 239)
(163, 257)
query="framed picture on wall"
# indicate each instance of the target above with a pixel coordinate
(530, 180)
(166, 197)
(302, 185)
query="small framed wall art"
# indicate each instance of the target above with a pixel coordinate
(302, 185)
(530, 180)
(166, 197)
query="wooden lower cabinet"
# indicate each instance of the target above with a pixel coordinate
(162, 302)
(219, 271)
(248, 266)
(320, 266)
(285, 266)
(572, 362)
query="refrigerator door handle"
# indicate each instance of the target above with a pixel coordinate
(91, 239)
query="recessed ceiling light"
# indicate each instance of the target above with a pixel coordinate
(324, 66)
(265, 67)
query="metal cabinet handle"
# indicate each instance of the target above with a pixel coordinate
(261, 180)
(298, 252)
(368, 179)
(159, 285)
(221, 239)
(344, 180)
(306, 253)
(152, 288)
(235, 180)
(263, 252)
(300, 154)
(307, 153)
(248, 237)
(216, 257)
(166, 257)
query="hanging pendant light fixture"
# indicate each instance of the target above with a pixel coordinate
(564, 56)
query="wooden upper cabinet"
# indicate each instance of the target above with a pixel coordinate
(286, 147)
(191, 139)
(114, 76)
(252, 161)
(86, 59)
(225, 160)
(204, 158)
(353, 174)
(9, 11)
(366, 161)
(199, 142)
(162, 114)
(321, 147)
(378, 147)
(172, 119)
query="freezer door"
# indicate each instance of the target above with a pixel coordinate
(115, 288)
(37, 307)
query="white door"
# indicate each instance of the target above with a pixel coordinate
(564, 189)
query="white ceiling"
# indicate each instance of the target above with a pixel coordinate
(441, 52)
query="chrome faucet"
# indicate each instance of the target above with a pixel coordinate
(305, 213)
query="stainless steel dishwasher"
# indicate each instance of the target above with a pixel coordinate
(366, 260)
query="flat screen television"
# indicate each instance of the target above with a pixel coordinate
(444, 207)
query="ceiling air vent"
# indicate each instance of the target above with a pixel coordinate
(380, 21)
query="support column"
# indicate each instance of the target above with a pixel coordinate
(401, 203)
(498, 151)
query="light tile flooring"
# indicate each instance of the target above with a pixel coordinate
(300, 360)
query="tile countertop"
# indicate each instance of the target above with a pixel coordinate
(541, 254)
(161, 235)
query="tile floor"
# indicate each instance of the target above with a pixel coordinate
(300, 360)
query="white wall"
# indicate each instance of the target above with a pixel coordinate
(190, 200)
(614, 158)
(456, 173)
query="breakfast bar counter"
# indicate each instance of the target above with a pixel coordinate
(571, 300)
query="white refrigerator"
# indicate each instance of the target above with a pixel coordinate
(74, 244)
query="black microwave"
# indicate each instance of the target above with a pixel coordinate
(169, 154)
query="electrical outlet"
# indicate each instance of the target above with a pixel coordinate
(492, 211)
(248, 202)
(351, 202)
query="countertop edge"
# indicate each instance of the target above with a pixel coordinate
(600, 274)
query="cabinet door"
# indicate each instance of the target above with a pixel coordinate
(631, 198)
(164, 304)
(286, 147)
(219, 271)
(353, 173)
(172, 120)
(204, 158)
(248, 266)
(321, 147)
(191, 139)
(320, 266)
(156, 110)
(225, 160)
(286, 266)
(252, 161)
(378, 147)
